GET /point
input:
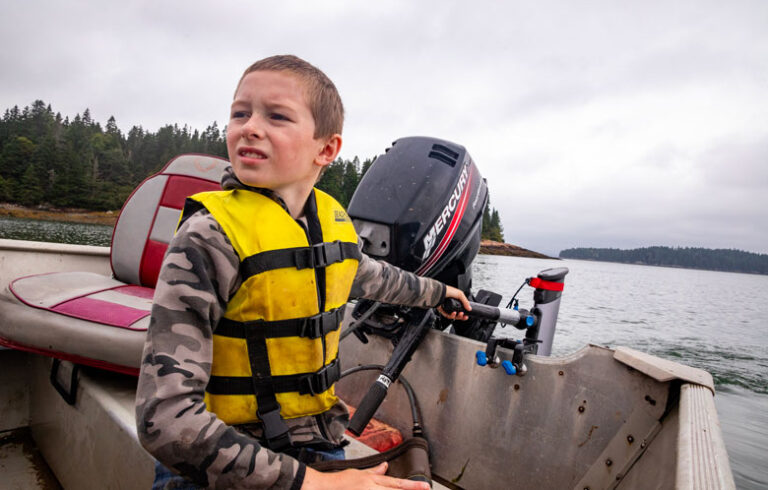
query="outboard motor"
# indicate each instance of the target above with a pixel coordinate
(420, 207)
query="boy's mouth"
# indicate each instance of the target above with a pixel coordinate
(251, 153)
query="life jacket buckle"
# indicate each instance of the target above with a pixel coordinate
(324, 254)
(275, 430)
(318, 326)
(323, 379)
(313, 327)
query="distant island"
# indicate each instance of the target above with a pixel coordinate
(725, 260)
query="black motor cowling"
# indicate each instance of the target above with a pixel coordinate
(420, 207)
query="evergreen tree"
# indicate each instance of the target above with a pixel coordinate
(486, 219)
(45, 159)
(87, 121)
(42, 120)
(31, 191)
(112, 129)
(496, 229)
(331, 180)
(16, 156)
(349, 180)
(5, 190)
(492, 228)
(60, 194)
(366, 165)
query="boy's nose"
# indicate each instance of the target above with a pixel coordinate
(253, 128)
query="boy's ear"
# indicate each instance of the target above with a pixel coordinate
(329, 151)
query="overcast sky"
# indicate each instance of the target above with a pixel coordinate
(596, 124)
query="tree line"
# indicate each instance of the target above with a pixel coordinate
(47, 159)
(727, 260)
(341, 178)
(55, 161)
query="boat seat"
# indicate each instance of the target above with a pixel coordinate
(97, 320)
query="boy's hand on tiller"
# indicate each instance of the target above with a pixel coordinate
(373, 478)
(458, 294)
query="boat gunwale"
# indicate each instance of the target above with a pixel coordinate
(51, 247)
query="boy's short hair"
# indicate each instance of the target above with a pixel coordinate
(323, 98)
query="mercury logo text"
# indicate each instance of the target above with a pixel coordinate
(434, 231)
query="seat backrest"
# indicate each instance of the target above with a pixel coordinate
(149, 217)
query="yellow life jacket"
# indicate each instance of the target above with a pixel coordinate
(275, 349)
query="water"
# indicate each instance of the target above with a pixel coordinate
(55, 231)
(716, 321)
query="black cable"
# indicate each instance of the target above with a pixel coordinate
(512, 300)
(516, 292)
(355, 324)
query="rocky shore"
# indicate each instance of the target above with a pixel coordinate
(57, 214)
(489, 247)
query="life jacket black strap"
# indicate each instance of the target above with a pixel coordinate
(305, 383)
(260, 383)
(312, 327)
(315, 256)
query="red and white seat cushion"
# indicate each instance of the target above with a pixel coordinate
(98, 320)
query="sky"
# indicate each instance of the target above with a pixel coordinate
(596, 123)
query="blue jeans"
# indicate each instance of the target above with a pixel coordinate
(332, 455)
(165, 479)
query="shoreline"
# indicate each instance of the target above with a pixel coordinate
(58, 214)
(109, 218)
(489, 247)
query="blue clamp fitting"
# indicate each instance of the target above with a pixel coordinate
(482, 359)
(529, 321)
(509, 367)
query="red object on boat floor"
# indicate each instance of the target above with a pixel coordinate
(377, 434)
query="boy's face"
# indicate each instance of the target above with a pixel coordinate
(270, 137)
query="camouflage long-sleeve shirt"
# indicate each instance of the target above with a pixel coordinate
(198, 277)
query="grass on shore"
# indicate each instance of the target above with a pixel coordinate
(56, 214)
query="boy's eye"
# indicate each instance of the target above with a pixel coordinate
(278, 117)
(239, 114)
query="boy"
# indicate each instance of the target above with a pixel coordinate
(229, 343)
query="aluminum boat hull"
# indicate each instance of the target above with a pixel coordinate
(598, 418)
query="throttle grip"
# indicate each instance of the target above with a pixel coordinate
(451, 304)
(369, 405)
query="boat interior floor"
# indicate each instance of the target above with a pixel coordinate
(22, 465)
